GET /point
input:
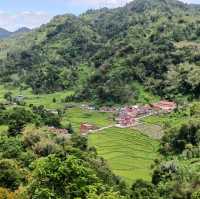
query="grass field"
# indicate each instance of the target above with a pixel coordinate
(168, 120)
(42, 99)
(128, 152)
(76, 116)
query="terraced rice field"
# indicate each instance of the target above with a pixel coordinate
(129, 153)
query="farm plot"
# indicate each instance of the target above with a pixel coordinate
(76, 116)
(151, 130)
(129, 153)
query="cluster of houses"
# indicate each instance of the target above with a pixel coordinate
(88, 107)
(128, 115)
(105, 109)
(164, 106)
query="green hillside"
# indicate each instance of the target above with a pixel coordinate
(101, 53)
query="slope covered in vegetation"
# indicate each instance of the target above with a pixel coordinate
(102, 53)
(38, 162)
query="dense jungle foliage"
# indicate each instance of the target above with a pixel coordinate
(101, 53)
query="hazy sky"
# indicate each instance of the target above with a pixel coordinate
(32, 13)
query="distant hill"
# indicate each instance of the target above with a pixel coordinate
(5, 33)
(21, 30)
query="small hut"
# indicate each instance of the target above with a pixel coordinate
(85, 128)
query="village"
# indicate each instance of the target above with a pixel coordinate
(129, 116)
(123, 117)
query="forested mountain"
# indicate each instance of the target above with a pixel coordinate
(21, 30)
(5, 33)
(101, 53)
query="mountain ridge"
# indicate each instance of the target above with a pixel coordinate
(5, 33)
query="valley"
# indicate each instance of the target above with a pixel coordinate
(103, 105)
(136, 150)
(129, 151)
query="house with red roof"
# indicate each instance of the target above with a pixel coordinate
(164, 105)
(127, 117)
(85, 128)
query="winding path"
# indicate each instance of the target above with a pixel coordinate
(101, 129)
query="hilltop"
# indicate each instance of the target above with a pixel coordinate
(5, 33)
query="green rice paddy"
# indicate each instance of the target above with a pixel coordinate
(76, 116)
(128, 153)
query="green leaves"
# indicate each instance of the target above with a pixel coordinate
(69, 178)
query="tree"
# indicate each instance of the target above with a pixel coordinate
(10, 176)
(79, 142)
(106, 195)
(56, 178)
(164, 172)
(142, 189)
(8, 96)
(196, 195)
(10, 147)
(17, 118)
(46, 116)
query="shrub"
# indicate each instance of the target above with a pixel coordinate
(31, 138)
(10, 147)
(196, 195)
(142, 189)
(10, 176)
(46, 147)
(54, 100)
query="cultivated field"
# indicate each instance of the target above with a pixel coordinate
(76, 116)
(129, 153)
(151, 130)
(168, 120)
